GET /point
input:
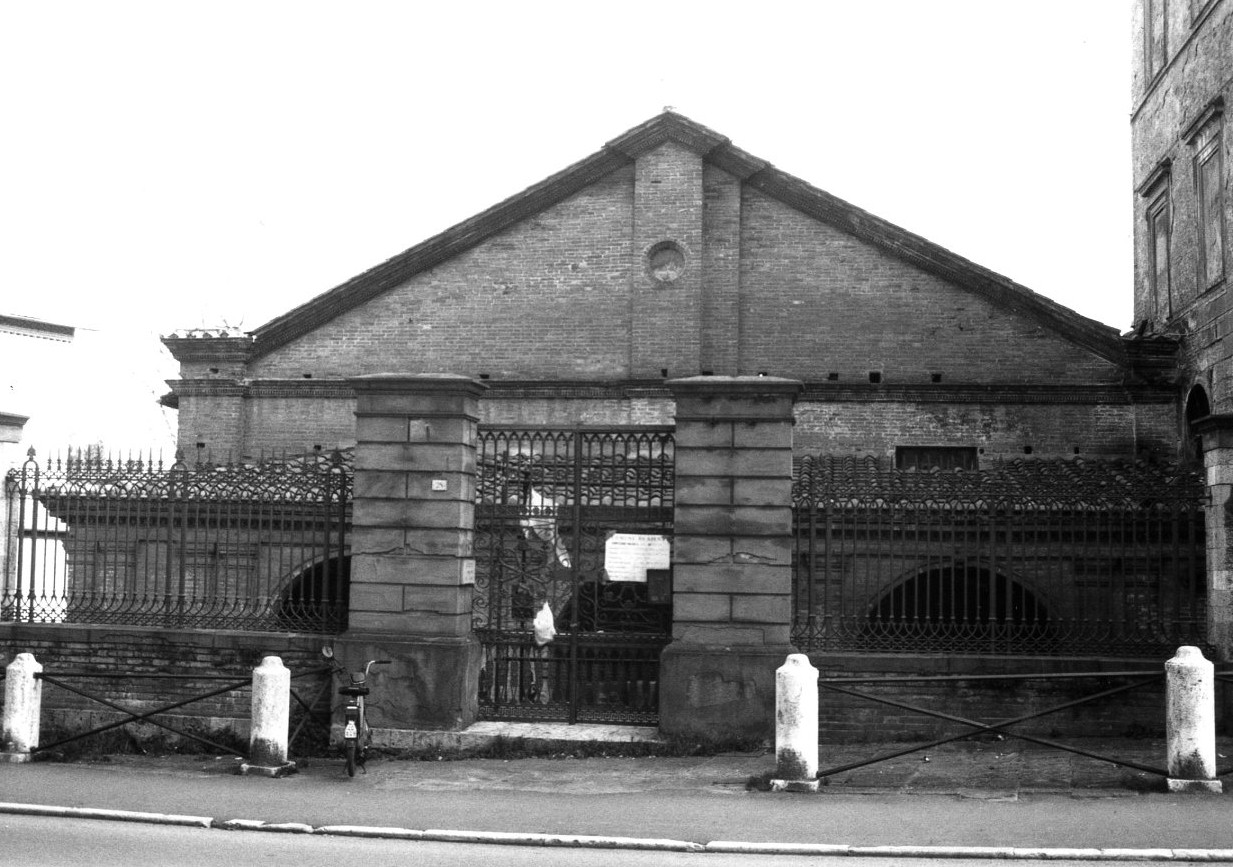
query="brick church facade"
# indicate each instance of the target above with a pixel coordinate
(672, 281)
(672, 253)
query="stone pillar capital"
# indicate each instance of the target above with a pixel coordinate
(735, 386)
(404, 383)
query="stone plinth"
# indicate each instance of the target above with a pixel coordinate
(1190, 722)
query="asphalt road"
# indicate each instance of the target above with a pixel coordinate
(699, 800)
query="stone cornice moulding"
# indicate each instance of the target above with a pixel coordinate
(1209, 112)
(1108, 395)
(812, 391)
(1158, 175)
(223, 349)
(207, 388)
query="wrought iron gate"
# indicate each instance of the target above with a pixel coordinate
(580, 521)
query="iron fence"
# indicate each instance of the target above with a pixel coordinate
(248, 545)
(1041, 557)
(580, 520)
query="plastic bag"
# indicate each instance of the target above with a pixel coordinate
(545, 628)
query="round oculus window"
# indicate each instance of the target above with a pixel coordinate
(665, 261)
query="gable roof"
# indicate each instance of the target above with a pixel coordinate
(718, 150)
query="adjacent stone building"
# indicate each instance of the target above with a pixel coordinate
(1182, 84)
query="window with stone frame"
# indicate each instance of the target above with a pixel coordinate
(1159, 227)
(1155, 36)
(1209, 200)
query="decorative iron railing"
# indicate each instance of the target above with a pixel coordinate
(572, 518)
(249, 545)
(1030, 557)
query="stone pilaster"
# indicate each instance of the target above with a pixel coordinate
(412, 564)
(1217, 435)
(732, 555)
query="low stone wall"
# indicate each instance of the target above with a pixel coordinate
(123, 651)
(848, 719)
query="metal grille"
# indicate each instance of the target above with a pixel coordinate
(255, 545)
(1041, 557)
(553, 506)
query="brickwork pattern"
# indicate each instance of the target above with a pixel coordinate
(666, 316)
(548, 298)
(998, 431)
(816, 301)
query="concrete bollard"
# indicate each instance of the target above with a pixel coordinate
(271, 717)
(796, 726)
(23, 701)
(1190, 722)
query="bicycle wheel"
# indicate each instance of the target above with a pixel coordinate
(349, 752)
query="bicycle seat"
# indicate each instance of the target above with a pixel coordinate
(353, 691)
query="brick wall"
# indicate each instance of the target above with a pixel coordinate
(547, 298)
(847, 719)
(874, 424)
(128, 650)
(816, 301)
(998, 431)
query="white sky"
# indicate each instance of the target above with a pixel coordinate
(173, 164)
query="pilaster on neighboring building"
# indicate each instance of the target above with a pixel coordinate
(11, 456)
(1216, 432)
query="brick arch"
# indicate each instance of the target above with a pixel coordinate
(1197, 406)
(317, 594)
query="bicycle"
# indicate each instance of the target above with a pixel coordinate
(356, 732)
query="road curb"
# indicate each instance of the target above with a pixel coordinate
(582, 841)
(113, 815)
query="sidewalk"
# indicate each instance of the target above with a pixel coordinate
(1011, 796)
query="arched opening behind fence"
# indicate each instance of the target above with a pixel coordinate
(316, 599)
(960, 606)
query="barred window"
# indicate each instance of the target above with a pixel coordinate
(936, 457)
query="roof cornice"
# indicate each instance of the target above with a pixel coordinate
(203, 346)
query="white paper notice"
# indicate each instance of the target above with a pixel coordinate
(627, 556)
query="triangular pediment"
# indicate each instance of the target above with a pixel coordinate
(716, 150)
